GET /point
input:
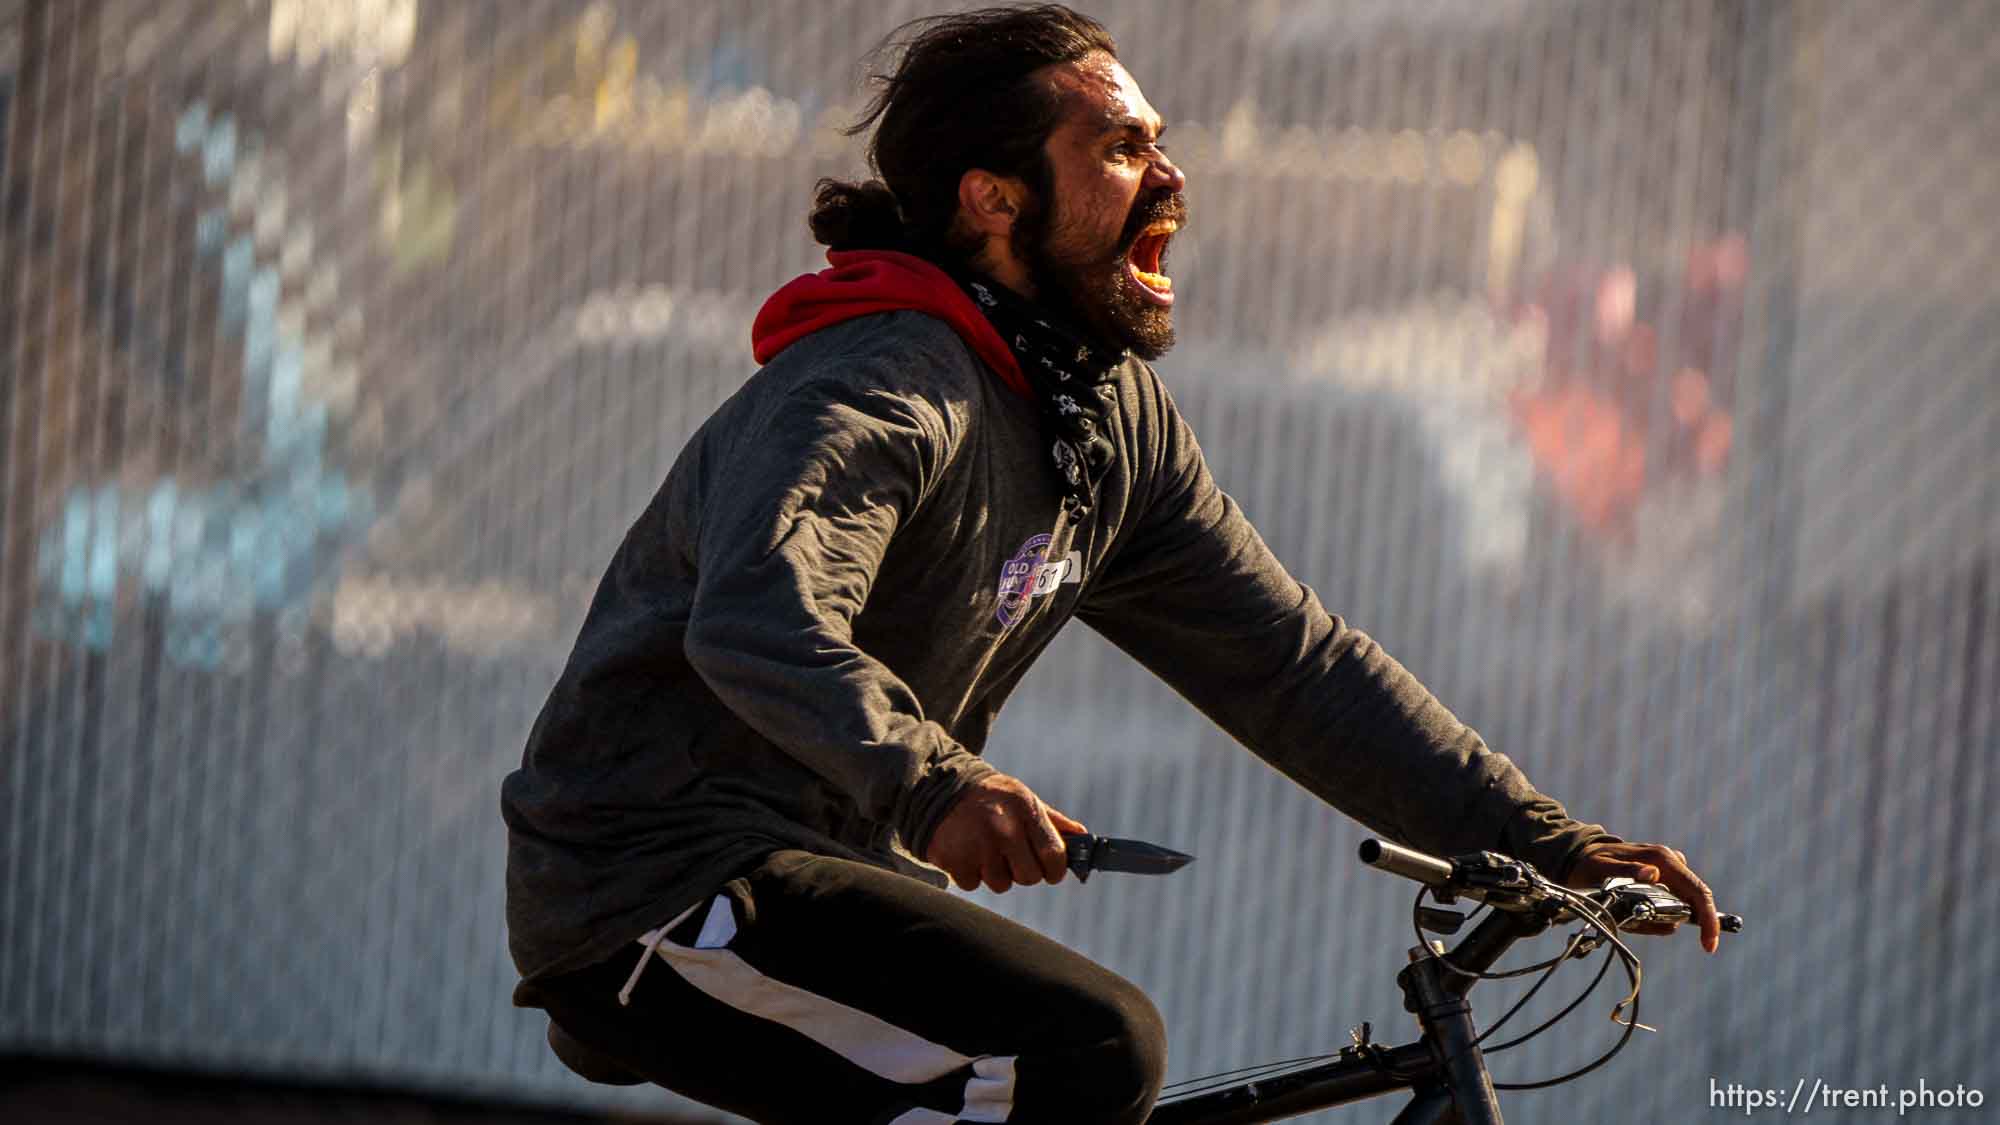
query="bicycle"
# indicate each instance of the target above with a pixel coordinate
(1446, 1068)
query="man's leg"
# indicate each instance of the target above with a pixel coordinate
(826, 991)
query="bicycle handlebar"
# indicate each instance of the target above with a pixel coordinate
(1407, 862)
(1511, 884)
(1446, 1068)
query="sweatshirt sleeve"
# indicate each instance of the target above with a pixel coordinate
(1197, 597)
(798, 515)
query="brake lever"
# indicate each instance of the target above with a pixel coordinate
(1651, 903)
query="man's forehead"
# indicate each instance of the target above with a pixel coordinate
(1100, 95)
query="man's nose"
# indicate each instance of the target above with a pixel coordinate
(1162, 173)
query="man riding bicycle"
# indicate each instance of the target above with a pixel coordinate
(736, 813)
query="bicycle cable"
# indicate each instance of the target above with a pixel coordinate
(1247, 1073)
(1579, 1072)
(1608, 928)
(1595, 919)
(1547, 975)
(1416, 923)
(1551, 1021)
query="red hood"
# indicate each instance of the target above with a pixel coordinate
(862, 282)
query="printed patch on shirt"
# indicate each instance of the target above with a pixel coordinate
(1029, 575)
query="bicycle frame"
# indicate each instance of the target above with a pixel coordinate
(1445, 1069)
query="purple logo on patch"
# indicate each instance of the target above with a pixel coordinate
(1028, 575)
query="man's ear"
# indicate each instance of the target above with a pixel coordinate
(988, 204)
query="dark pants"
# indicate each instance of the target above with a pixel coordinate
(821, 990)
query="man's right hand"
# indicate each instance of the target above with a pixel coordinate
(999, 833)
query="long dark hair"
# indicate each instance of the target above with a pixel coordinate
(958, 95)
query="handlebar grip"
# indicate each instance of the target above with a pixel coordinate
(1407, 862)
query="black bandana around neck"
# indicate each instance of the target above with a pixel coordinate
(1075, 378)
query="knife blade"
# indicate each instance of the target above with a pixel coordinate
(1111, 853)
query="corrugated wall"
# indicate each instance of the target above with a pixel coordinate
(1629, 369)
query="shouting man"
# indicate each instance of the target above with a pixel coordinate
(732, 826)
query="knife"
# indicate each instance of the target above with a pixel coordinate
(1109, 853)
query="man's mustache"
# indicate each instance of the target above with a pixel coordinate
(1169, 205)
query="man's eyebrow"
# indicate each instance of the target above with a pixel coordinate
(1125, 123)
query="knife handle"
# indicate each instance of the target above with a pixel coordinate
(1077, 847)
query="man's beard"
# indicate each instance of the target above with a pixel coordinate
(1098, 292)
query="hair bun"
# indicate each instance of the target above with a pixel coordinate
(860, 216)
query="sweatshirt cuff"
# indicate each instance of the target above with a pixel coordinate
(1544, 834)
(1592, 834)
(933, 795)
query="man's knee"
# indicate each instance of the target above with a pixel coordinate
(1135, 1057)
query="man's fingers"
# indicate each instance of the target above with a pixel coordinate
(1022, 863)
(1056, 853)
(1657, 863)
(998, 879)
(1003, 836)
(1066, 824)
(965, 875)
(1050, 851)
(1685, 883)
(1710, 920)
(1703, 899)
(1634, 870)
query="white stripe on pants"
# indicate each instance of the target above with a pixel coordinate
(862, 1039)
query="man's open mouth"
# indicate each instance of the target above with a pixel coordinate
(1146, 261)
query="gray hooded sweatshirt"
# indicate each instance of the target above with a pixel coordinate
(804, 640)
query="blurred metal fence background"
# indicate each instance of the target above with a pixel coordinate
(1631, 369)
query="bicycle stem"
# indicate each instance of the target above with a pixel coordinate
(1489, 941)
(1437, 997)
(1441, 1008)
